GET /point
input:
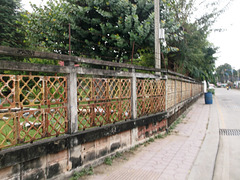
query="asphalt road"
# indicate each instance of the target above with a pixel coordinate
(228, 158)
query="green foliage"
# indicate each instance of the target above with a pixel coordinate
(11, 32)
(211, 91)
(104, 29)
(107, 29)
(108, 161)
(118, 154)
(160, 136)
(151, 140)
(82, 173)
(226, 73)
(194, 55)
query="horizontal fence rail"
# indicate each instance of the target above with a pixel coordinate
(33, 107)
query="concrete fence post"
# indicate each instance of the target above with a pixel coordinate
(134, 94)
(72, 99)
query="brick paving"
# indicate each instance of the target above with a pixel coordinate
(171, 157)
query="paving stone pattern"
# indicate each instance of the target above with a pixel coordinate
(169, 158)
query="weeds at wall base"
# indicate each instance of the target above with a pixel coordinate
(84, 172)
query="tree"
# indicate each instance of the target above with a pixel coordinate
(104, 29)
(107, 29)
(225, 73)
(196, 54)
(11, 33)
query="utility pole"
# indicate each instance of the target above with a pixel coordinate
(156, 34)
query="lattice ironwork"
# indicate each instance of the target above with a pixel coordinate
(151, 96)
(85, 89)
(170, 93)
(7, 91)
(8, 130)
(179, 91)
(24, 114)
(125, 88)
(183, 91)
(85, 116)
(30, 90)
(125, 109)
(143, 106)
(114, 88)
(140, 88)
(162, 87)
(189, 90)
(114, 110)
(100, 89)
(31, 125)
(157, 104)
(56, 121)
(100, 114)
(102, 101)
(56, 90)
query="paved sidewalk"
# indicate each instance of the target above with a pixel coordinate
(172, 157)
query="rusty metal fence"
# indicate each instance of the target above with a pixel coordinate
(150, 96)
(102, 101)
(180, 90)
(35, 107)
(31, 108)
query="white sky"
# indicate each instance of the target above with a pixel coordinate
(26, 4)
(227, 41)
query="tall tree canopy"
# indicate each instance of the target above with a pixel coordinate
(103, 29)
(10, 30)
(196, 54)
(226, 72)
(107, 29)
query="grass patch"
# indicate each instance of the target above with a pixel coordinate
(175, 123)
(108, 161)
(84, 172)
(160, 136)
(151, 140)
(134, 148)
(118, 154)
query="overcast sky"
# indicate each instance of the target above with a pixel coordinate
(227, 41)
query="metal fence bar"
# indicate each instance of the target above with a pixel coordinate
(35, 107)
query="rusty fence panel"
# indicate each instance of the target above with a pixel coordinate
(103, 101)
(170, 93)
(178, 91)
(35, 107)
(150, 96)
(8, 129)
(7, 91)
(32, 108)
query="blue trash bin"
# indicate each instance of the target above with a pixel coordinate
(208, 98)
